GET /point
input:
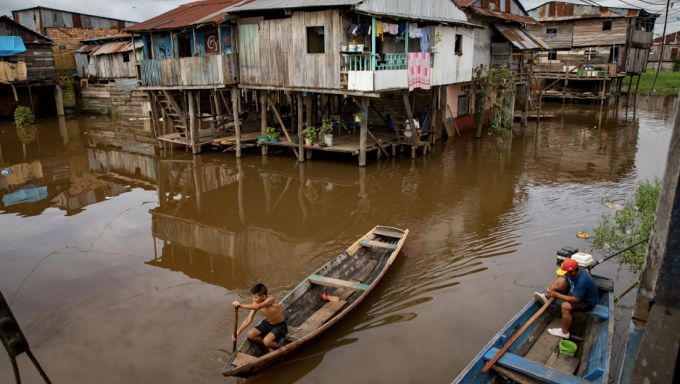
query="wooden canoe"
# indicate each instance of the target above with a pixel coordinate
(535, 357)
(350, 276)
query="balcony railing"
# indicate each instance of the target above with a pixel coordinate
(389, 61)
(211, 70)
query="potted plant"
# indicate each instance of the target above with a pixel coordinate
(310, 135)
(273, 134)
(436, 39)
(326, 131)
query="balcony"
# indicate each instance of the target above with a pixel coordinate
(641, 39)
(391, 72)
(190, 72)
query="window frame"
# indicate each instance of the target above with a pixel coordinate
(607, 25)
(551, 32)
(458, 45)
(311, 29)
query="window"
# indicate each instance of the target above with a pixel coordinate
(607, 25)
(463, 105)
(551, 32)
(552, 55)
(459, 45)
(126, 57)
(315, 40)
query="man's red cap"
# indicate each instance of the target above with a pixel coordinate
(568, 265)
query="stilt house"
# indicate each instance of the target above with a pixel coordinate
(592, 48)
(505, 41)
(109, 57)
(315, 58)
(27, 72)
(189, 71)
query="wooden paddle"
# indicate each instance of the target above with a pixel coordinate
(233, 346)
(516, 336)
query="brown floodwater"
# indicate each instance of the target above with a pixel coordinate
(121, 265)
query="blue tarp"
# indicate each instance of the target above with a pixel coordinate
(11, 45)
(27, 194)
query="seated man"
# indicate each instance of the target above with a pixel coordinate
(272, 327)
(577, 290)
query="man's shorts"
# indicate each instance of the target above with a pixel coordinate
(581, 307)
(279, 330)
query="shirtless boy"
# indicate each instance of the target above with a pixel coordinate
(272, 327)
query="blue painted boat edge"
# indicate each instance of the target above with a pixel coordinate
(534, 370)
(600, 353)
(472, 373)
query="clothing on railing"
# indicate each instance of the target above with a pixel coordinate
(419, 70)
(425, 39)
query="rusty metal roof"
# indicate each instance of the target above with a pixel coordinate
(521, 38)
(558, 10)
(464, 3)
(117, 36)
(186, 15)
(504, 15)
(87, 48)
(115, 47)
(260, 5)
(671, 38)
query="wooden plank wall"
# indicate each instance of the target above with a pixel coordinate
(274, 52)
(636, 60)
(112, 66)
(589, 32)
(563, 38)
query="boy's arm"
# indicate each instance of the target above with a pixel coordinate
(267, 302)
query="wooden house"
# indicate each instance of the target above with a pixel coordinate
(505, 41)
(27, 72)
(109, 57)
(316, 58)
(190, 71)
(592, 48)
(671, 52)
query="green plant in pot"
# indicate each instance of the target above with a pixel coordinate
(273, 134)
(311, 135)
(326, 131)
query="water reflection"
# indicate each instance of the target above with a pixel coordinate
(190, 234)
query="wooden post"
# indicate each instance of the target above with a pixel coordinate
(433, 116)
(363, 133)
(409, 115)
(301, 148)
(154, 113)
(237, 121)
(59, 99)
(308, 109)
(637, 86)
(193, 126)
(263, 119)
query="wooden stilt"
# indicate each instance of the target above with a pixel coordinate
(237, 120)
(363, 133)
(193, 126)
(59, 100)
(301, 148)
(637, 86)
(263, 119)
(283, 126)
(153, 102)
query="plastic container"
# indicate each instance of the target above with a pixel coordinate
(360, 47)
(567, 348)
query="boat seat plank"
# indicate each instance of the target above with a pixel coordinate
(545, 345)
(243, 358)
(600, 311)
(515, 376)
(377, 244)
(532, 369)
(316, 320)
(388, 233)
(337, 283)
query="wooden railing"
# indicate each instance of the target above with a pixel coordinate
(211, 70)
(362, 61)
(356, 62)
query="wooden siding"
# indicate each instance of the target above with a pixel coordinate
(39, 62)
(641, 39)
(563, 37)
(112, 66)
(274, 52)
(448, 67)
(636, 60)
(590, 33)
(211, 70)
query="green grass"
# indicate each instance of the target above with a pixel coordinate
(668, 83)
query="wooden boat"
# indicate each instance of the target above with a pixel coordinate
(350, 276)
(535, 357)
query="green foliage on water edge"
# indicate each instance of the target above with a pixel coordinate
(630, 224)
(494, 85)
(23, 116)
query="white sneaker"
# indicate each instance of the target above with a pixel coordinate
(558, 332)
(540, 298)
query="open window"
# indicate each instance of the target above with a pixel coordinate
(126, 57)
(551, 32)
(463, 105)
(607, 25)
(552, 55)
(316, 42)
(459, 45)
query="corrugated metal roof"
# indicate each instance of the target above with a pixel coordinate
(115, 47)
(197, 12)
(261, 5)
(521, 38)
(464, 3)
(117, 36)
(558, 10)
(87, 48)
(504, 15)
